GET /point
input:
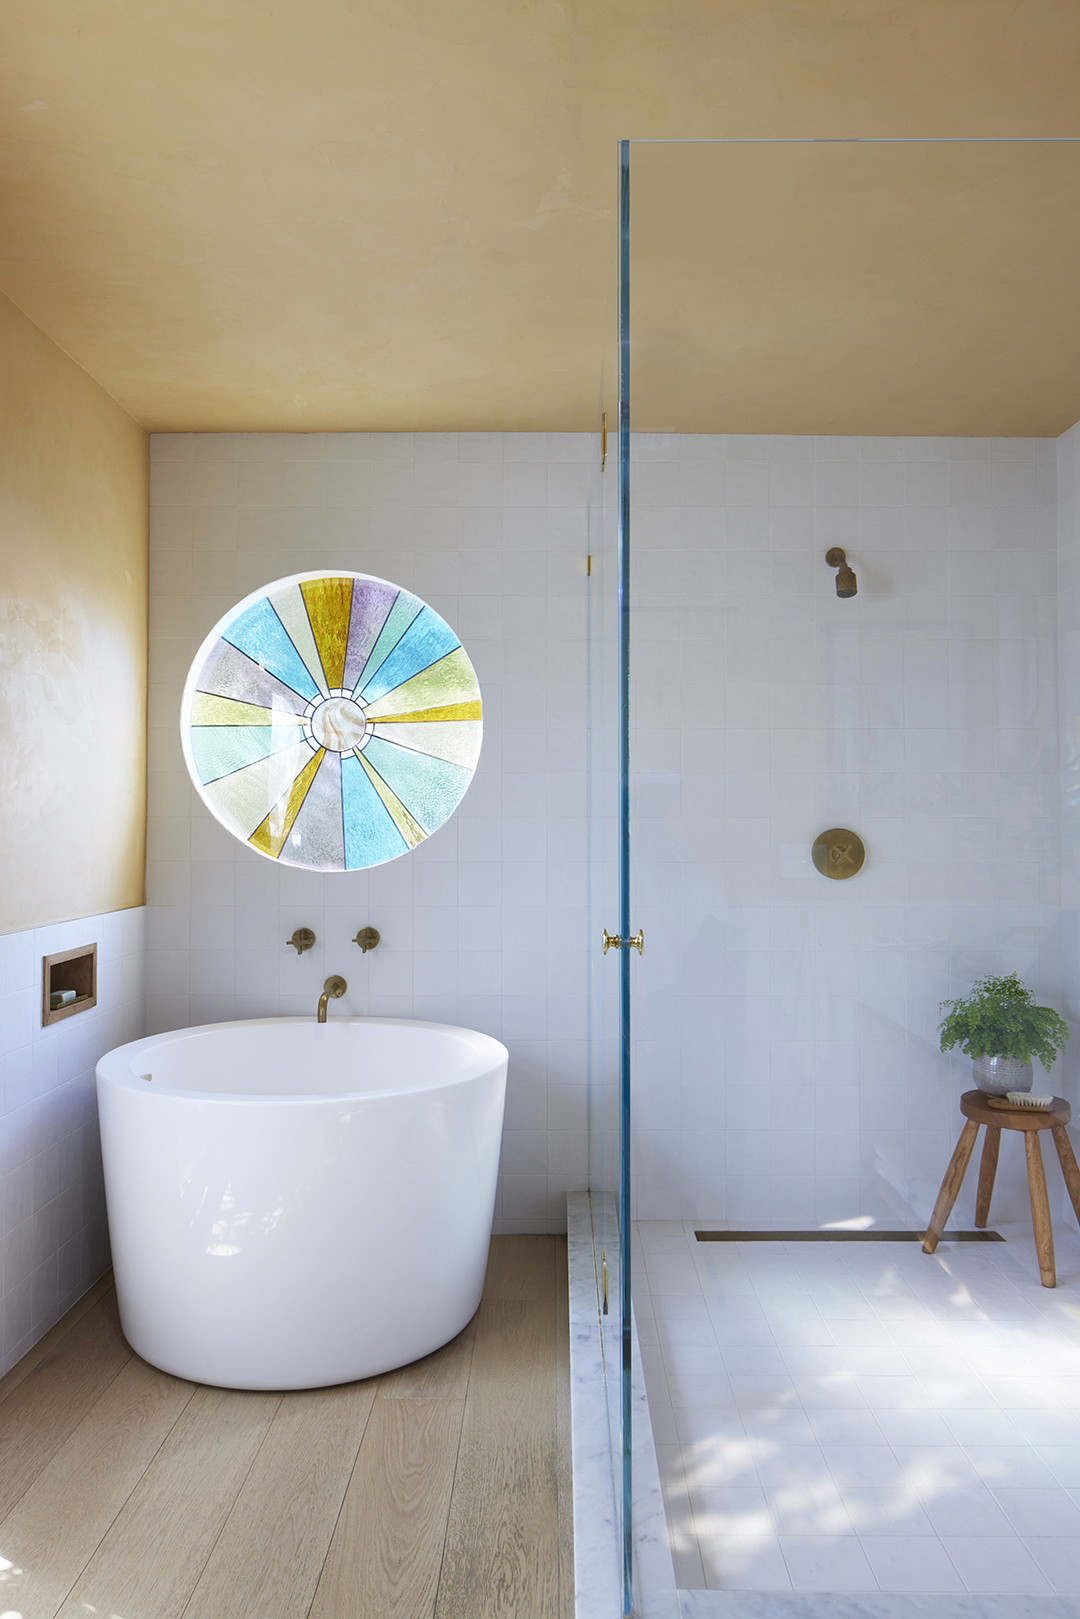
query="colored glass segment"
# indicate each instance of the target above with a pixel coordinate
(332, 721)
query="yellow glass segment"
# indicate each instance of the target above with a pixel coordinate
(428, 716)
(270, 834)
(458, 743)
(449, 681)
(410, 831)
(206, 709)
(329, 605)
(241, 798)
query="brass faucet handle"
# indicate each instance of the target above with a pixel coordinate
(367, 939)
(303, 939)
(335, 987)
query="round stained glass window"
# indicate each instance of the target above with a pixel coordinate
(331, 721)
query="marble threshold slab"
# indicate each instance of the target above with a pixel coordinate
(594, 1414)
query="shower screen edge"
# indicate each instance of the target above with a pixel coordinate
(624, 879)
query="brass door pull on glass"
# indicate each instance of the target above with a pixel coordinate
(367, 939)
(636, 941)
(303, 939)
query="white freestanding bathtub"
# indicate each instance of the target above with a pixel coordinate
(294, 1204)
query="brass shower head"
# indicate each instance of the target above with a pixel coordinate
(846, 583)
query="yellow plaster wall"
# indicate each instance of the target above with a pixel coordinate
(73, 622)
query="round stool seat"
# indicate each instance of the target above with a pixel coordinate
(977, 1105)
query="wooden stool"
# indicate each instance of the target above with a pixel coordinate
(978, 1108)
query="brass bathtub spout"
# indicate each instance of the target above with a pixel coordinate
(335, 987)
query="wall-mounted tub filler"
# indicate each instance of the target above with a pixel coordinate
(846, 582)
(302, 939)
(367, 939)
(334, 986)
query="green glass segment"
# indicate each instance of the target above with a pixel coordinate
(218, 750)
(429, 788)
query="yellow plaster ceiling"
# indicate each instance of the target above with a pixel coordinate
(391, 214)
(876, 289)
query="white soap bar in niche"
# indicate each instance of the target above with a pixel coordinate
(61, 997)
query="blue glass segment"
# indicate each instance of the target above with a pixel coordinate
(427, 639)
(260, 633)
(370, 835)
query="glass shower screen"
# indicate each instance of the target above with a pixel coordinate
(862, 347)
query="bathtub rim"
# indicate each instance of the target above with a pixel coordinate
(116, 1067)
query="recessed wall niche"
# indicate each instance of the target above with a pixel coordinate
(68, 973)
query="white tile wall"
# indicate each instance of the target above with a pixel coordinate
(787, 1066)
(52, 1216)
(485, 924)
(787, 1069)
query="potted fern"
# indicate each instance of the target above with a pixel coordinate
(1001, 1028)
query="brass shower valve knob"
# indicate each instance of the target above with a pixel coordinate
(302, 940)
(367, 939)
(838, 853)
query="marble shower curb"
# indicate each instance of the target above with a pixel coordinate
(868, 1605)
(597, 1582)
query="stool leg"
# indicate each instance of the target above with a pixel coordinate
(987, 1171)
(950, 1186)
(1068, 1164)
(1040, 1209)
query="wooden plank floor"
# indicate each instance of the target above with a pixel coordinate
(440, 1491)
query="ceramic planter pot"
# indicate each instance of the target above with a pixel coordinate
(999, 1075)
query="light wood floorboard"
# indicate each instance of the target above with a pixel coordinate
(46, 1344)
(438, 1491)
(46, 1406)
(53, 1531)
(153, 1555)
(267, 1562)
(387, 1551)
(502, 1551)
(562, 1428)
(441, 1376)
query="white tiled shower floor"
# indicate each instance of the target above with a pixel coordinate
(863, 1417)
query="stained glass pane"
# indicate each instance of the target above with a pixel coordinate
(331, 721)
